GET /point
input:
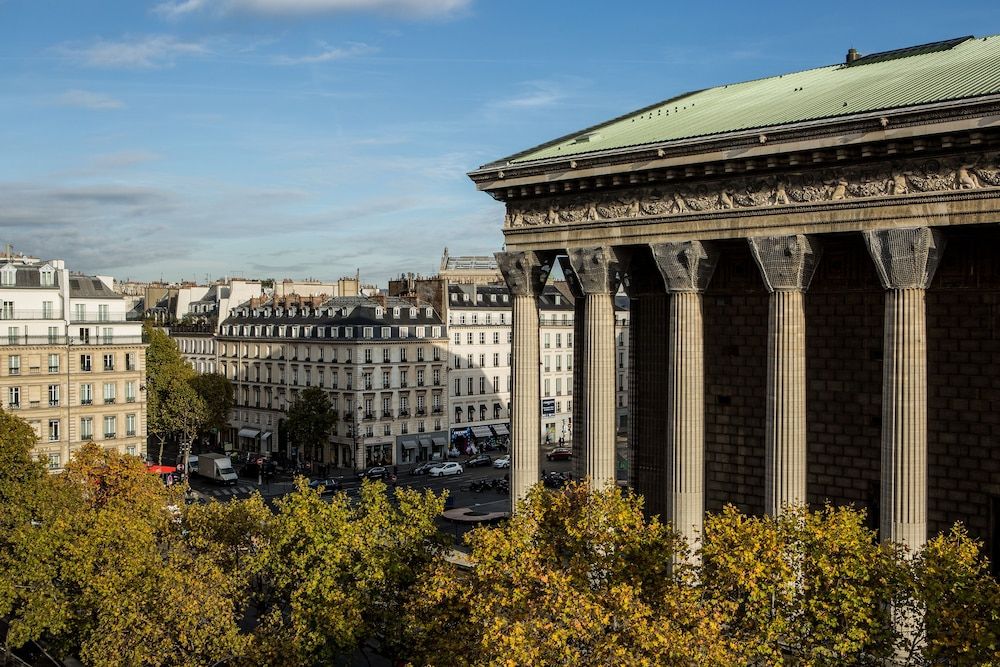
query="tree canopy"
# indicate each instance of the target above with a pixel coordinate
(104, 563)
(216, 391)
(310, 418)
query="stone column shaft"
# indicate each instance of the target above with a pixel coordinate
(904, 419)
(686, 415)
(525, 274)
(599, 392)
(593, 273)
(787, 264)
(526, 421)
(906, 260)
(785, 426)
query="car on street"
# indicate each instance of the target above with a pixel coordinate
(479, 460)
(329, 485)
(502, 461)
(424, 468)
(378, 472)
(560, 454)
(556, 480)
(447, 468)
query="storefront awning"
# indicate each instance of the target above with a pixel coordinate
(249, 432)
(408, 443)
(500, 429)
(482, 432)
(425, 441)
(439, 440)
(266, 435)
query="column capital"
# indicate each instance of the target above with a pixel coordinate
(524, 271)
(686, 266)
(787, 263)
(905, 258)
(594, 270)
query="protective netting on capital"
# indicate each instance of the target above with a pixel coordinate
(787, 262)
(905, 258)
(686, 267)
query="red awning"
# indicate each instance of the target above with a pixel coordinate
(161, 470)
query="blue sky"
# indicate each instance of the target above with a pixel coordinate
(308, 138)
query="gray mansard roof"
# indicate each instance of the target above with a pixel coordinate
(332, 318)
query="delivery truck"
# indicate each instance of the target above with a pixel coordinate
(217, 467)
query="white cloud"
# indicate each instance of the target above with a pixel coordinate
(328, 55)
(403, 8)
(145, 52)
(86, 99)
(535, 95)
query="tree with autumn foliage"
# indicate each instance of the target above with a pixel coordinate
(336, 574)
(101, 571)
(578, 577)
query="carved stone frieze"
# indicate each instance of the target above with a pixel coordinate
(752, 192)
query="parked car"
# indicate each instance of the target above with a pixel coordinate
(502, 461)
(424, 468)
(329, 484)
(378, 472)
(556, 480)
(560, 454)
(447, 468)
(479, 460)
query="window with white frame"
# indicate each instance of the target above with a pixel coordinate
(110, 427)
(86, 428)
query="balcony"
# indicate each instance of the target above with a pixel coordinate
(109, 401)
(14, 406)
(29, 314)
(421, 412)
(420, 383)
(130, 434)
(369, 416)
(387, 414)
(403, 412)
(53, 369)
(53, 403)
(110, 436)
(348, 416)
(86, 401)
(130, 399)
(437, 409)
(13, 371)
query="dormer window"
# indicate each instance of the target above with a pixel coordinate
(479, 298)
(48, 276)
(454, 297)
(395, 312)
(8, 275)
(493, 298)
(413, 313)
(379, 312)
(428, 312)
(386, 332)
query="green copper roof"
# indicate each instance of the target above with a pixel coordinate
(949, 70)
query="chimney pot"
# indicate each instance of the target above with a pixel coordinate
(852, 55)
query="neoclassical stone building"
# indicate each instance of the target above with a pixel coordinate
(814, 278)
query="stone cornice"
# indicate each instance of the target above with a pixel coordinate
(828, 141)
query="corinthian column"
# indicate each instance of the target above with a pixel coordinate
(687, 269)
(787, 264)
(906, 260)
(525, 274)
(595, 273)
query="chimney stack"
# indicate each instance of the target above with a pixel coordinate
(852, 55)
